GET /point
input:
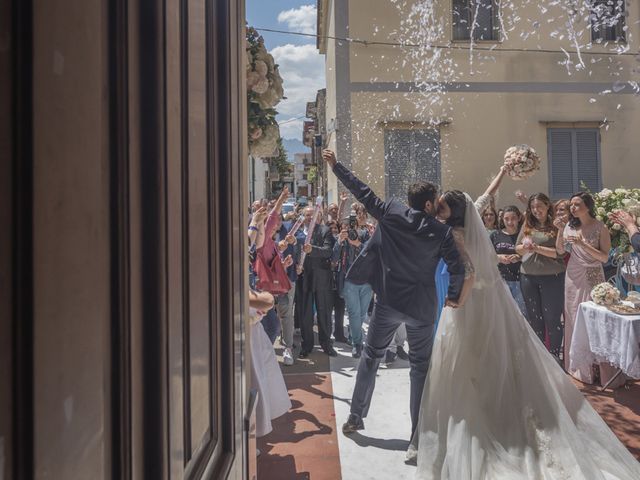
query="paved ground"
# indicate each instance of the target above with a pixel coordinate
(307, 442)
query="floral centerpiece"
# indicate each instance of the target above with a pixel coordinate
(521, 162)
(264, 91)
(605, 294)
(608, 201)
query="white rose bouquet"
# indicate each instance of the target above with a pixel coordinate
(521, 162)
(264, 91)
(605, 294)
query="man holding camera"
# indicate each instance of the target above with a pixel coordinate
(351, 239)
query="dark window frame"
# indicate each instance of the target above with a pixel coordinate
(388, 132)
(600, 31)
(468, 10)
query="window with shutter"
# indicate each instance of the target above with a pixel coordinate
(587, 145)
(607, 21)
(574, 159)
(485, 15)
(410, 156)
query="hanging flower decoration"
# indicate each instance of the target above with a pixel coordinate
(264, 91)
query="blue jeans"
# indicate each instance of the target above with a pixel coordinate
(271, 324)
(356, 299)
(442, 287)
(516, 293)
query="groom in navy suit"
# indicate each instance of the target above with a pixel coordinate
(399, 262)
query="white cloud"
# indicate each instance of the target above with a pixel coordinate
(302, 70)
(301, 19)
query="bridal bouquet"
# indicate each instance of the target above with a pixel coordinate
(521, 162)
(605, 294)
(608, 201)
(264, 91)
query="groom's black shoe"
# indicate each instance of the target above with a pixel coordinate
(402, 354)
(390, 357)
(353, 424)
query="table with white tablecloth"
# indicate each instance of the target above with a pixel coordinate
(600, 336)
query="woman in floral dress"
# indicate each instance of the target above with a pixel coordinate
(589, 242)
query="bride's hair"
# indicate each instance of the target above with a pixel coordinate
(458, 205)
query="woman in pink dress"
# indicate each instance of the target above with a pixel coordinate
(589, 242)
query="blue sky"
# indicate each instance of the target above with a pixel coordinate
(301, 66)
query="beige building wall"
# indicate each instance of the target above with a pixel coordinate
(500, 110)
(331, 105)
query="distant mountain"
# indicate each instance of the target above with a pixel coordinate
(293, 146)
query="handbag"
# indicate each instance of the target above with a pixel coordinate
(272, 277)
(629, 268)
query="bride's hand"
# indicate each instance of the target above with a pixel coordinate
(452, 303)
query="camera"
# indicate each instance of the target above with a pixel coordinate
(352, 233)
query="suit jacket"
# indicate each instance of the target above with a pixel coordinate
(317, 274)
(401, 258)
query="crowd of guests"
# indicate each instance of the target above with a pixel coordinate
(298, 265)
(316, 247)
(549, 254)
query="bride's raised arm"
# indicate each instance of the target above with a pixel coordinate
(485, 199)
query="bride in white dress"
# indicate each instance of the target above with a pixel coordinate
(496, 405)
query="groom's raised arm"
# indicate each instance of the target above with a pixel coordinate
(363, 193)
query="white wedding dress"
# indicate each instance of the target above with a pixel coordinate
(496, 405)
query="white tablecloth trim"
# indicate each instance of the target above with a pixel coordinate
(601, 335)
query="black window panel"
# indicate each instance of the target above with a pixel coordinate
(485, 15)
(607, 21)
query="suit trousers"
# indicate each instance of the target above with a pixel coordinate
(382, 327)
(323, 300)
(338, 309)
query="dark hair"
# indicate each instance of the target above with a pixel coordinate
(532, 223)
(420, 193)
(574, 222)
(511, 209)
(495, 215)
(458, 205)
